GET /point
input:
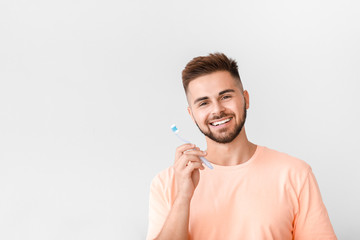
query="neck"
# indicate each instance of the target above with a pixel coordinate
(236, 152)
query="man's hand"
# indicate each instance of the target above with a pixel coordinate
(187, 165)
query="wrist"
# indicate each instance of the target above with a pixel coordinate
(183, 199)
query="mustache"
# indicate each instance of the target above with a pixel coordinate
(221, 115)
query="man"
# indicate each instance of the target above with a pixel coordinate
(252, 192)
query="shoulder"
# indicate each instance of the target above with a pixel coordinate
(163, 186)
(283, 160)
(283, 165)
(164, 178)
(288, 169)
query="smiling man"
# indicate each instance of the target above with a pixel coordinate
(252, 192)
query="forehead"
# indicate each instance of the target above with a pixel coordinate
(211, 84)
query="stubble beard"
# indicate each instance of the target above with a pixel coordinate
(227, 138)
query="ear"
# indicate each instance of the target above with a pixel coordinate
(190, 113)
(247, 99)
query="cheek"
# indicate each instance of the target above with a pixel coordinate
(201, 117)
(236, 107)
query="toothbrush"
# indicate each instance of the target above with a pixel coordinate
(176, 131)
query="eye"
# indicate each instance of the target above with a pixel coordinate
(202, 104)
(226, 97)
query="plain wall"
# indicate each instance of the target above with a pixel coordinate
(89, 89)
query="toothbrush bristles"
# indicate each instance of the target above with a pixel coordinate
(174, 128)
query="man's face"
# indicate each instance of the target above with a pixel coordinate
(218, 106)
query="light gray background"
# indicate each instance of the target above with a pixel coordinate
(89, 89)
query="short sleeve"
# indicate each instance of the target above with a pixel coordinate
(312, 220)
(158, 208)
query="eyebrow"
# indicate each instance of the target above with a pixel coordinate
(226, 91)
(200, 99)
(220, 93)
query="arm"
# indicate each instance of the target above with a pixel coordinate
(186, 173)
(312, 220)
(177, 223)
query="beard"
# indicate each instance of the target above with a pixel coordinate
(228, 137)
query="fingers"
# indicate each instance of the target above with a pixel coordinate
(188, 149)
(191, 166)
(187, 165)
(185, 154)
(181, 149)
(195, 151)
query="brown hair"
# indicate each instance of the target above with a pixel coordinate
(204, 65)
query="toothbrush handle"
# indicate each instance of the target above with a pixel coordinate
(182, 139)
(206, 162)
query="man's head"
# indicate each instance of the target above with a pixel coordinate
(217, 101)
(205, 65)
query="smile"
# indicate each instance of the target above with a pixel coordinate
(220, 122)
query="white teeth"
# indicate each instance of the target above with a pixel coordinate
(220, 122)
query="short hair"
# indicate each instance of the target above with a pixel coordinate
(203, 65)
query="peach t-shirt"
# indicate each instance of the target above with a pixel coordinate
(271, 196)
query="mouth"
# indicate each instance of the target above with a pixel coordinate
(220, 122)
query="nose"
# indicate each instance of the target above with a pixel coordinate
(218, 108)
